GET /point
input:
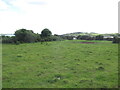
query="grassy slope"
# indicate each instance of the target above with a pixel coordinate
(67, 64)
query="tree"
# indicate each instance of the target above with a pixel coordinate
(79, 37)
(0, 39)
(37, 37)
(85, 37)
(7, 39)
(69, 37)
(45, 34)
(23, 35)
(99, 37)
(116, 39)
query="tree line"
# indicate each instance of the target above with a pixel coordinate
(115, 39)
(28, 36)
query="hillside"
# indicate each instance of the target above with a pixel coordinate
(91, 34)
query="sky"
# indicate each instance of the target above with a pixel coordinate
(59, 16)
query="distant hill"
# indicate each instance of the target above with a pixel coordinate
(80, 33)
(90, 34)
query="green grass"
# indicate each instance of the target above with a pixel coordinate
(60, 64)
(0, 65)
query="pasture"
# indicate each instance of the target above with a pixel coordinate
(60, 64)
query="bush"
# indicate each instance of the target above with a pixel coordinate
(25, 36)
(0, 39)
(37, 37)
(99, 37)
(85, 37)
(116, 39)
(7, 39)
(17, 42)
(51, 38)
(109, 39)
(56, 38)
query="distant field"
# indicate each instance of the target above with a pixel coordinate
(61, 64)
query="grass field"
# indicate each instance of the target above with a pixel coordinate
(60, 64)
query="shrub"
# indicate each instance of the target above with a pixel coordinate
(99, 37)
(7, 39)
(116, 39)
(17, 42)
(85, 37)
(25, 36)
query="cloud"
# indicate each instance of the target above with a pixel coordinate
(3, 5)
(6, 5)
(7, 2)
(24, 5)
(60, 16)
(38, 3)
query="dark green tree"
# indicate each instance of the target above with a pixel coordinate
(46, 33)
(7, 39)
(23, 35)
(37, 37)
(69, 37)
(85, 37)
(79, 37)
(116, 39)
(99, 37)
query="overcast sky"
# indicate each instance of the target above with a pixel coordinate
(59, 16)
